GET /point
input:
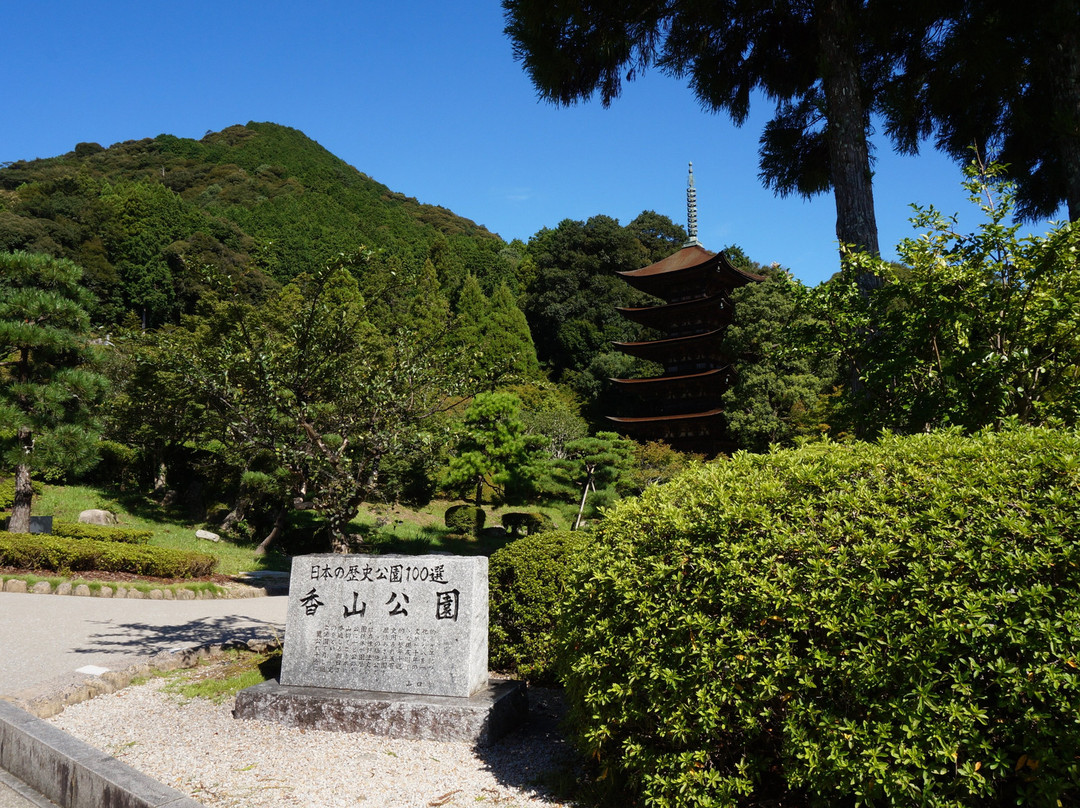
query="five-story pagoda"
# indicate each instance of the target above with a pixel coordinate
(682, 405)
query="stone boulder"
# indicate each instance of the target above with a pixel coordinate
(96, 516)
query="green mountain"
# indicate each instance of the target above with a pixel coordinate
(156, 221)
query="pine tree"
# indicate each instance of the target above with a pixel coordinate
(1003, 78)
(492, 447)
(493, 335)
(48, 392)
(508, 344)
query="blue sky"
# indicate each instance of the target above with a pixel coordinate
(426, 98)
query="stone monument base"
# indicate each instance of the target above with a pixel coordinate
(481, 719)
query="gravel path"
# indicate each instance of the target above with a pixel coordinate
(198, 748)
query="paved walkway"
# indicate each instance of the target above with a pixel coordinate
(46, 639)
(16, 794)
(49, 642)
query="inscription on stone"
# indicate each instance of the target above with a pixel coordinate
(396, 624)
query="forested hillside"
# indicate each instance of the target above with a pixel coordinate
(154, 222)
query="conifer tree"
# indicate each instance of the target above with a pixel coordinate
(823, 64)
(595, 463)
(1003, 78)
(493, 336)
(47, 391)
(493, 447)
(509, 347)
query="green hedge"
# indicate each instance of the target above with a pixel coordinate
(533, 522)
(526, 583)
(39, 551)
(77, 530)
(893, 625)
(465, 519)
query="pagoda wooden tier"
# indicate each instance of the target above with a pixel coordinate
(699, 432)
(678, 355)
(682, 406)
(703, 313)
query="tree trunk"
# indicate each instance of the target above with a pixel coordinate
(849, 155)
(581, 507)
(160, 478)
(479, 490)
(24, 494)
(584, 495)
(275, 534)
(338, 517)
(339, 539)
(237, 514)
(1065, 90)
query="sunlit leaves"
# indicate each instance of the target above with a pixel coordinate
(890, 624)
(969, 330)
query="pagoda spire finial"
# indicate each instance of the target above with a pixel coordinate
(691, 211)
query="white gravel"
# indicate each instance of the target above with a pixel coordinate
(198, 748)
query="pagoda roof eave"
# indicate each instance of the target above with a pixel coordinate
(688, 257)
(705, 336)
(693, 257)
(695, 303)
(691, 416)
(681, 378)
(654, 316)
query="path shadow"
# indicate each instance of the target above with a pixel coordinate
(537, 757)
(148, 639)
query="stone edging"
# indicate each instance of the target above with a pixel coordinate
(46, 705)
(71, 773)
(225, 591)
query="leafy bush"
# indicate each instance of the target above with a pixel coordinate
(531, 523)
(26, 551)
(77, 530)
(526, 583)
(117, 464)
(890, 624)
(465, 518)
(7, 492)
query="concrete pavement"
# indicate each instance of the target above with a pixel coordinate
(14, 793)
(46, 639)
(54, 643)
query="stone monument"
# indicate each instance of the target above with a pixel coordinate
(394, 645)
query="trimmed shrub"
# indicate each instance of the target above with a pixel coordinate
(26, 551)
(77, 530)
(466, 519)
(894, 624)
(526, 583)
(531, 523)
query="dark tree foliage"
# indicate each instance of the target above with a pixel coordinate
(781, 385)
(1003, 78)
(824, 64)
(657, 233)
(573, 291)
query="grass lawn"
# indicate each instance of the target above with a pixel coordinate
(66, 502)
(396, 529)
(381, 528)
